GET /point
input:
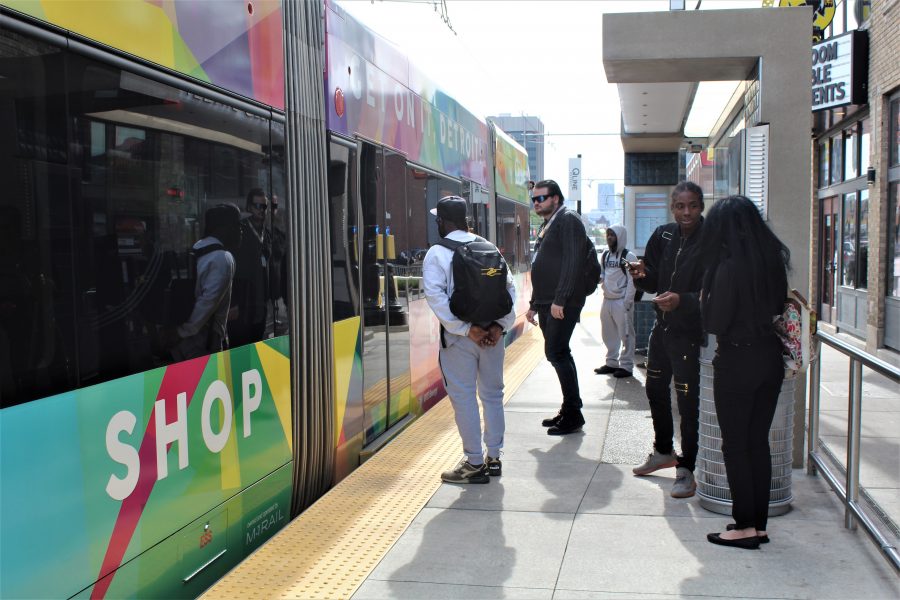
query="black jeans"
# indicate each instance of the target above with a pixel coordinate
(747, 384)
(557, 333)
(673, 356)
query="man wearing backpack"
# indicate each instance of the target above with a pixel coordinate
(557, 297)
(616, 322)
(471, 292)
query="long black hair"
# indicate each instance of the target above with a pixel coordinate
(733, 229)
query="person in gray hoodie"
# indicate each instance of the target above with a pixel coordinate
(204, 332)
(616, 314)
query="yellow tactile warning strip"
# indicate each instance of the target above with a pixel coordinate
(330, 549)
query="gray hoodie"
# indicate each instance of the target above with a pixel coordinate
(204, 331)
(616, 283)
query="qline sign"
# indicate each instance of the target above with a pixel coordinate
(575, 179)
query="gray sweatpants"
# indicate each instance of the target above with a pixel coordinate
(617, 329)
(466, 365)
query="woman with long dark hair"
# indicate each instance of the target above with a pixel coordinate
(744, 289)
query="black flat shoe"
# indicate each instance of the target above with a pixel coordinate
(747, 543)
(604, 370)
(763, 539)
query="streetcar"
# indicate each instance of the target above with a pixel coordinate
(126, 472)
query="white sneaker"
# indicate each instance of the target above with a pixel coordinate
(685, 485)
(656, 461)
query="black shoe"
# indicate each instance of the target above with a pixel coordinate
(763, 539)
(604, 370)
(622, 373)
(554, 420)
(747, 543)
(494, 466)
(567, 425)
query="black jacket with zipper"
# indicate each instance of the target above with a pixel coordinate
(673, 264)
(556, 273)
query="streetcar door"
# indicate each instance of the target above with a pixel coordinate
(385, 346)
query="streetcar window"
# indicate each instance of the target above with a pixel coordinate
(344, 222)
(37, 290)
(512, 234)
(423, 190)
(109, 175)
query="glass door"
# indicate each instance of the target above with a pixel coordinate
(396, 285)
(828, 262)
(385, 312)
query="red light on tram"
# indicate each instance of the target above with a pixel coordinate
(339, 102)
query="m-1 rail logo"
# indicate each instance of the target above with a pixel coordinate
(207, 536)
(491, 272)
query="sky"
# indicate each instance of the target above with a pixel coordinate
(534, 57)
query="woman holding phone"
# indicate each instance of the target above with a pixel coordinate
(744, 289)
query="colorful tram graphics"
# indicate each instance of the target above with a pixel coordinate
(127, 473)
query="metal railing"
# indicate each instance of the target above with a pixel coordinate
(848, 490)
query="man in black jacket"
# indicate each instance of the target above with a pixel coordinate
(557, 296)
(672, 268)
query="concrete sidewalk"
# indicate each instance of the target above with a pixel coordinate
(569, 520)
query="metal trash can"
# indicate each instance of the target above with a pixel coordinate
(712, 482)
(644, 317)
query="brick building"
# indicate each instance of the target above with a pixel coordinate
(855, 215)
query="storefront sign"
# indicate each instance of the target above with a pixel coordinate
(840, 71)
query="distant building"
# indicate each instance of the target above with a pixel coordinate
(606, 197)
(610, 204)
(528, 131)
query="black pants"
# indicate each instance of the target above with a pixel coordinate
(673, 356)
(557, 333)
(747, 383)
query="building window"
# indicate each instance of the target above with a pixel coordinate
(848, 242)
(893, 262)
(865, 139)
(851, 154)
(855, 240)
(823, 163)
(858, 12)
(862, 253)
(836, 162)
(839, 22)
(894, 135)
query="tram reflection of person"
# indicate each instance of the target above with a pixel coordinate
(205, 330)
(278, 271)
(247, 322)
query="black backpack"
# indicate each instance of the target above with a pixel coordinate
(591, 269)
(638, 294)
(622, 266)
(479, 282)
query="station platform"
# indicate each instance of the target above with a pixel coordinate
(566, 520)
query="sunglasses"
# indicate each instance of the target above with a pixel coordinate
(261, 206)
(540, 199)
